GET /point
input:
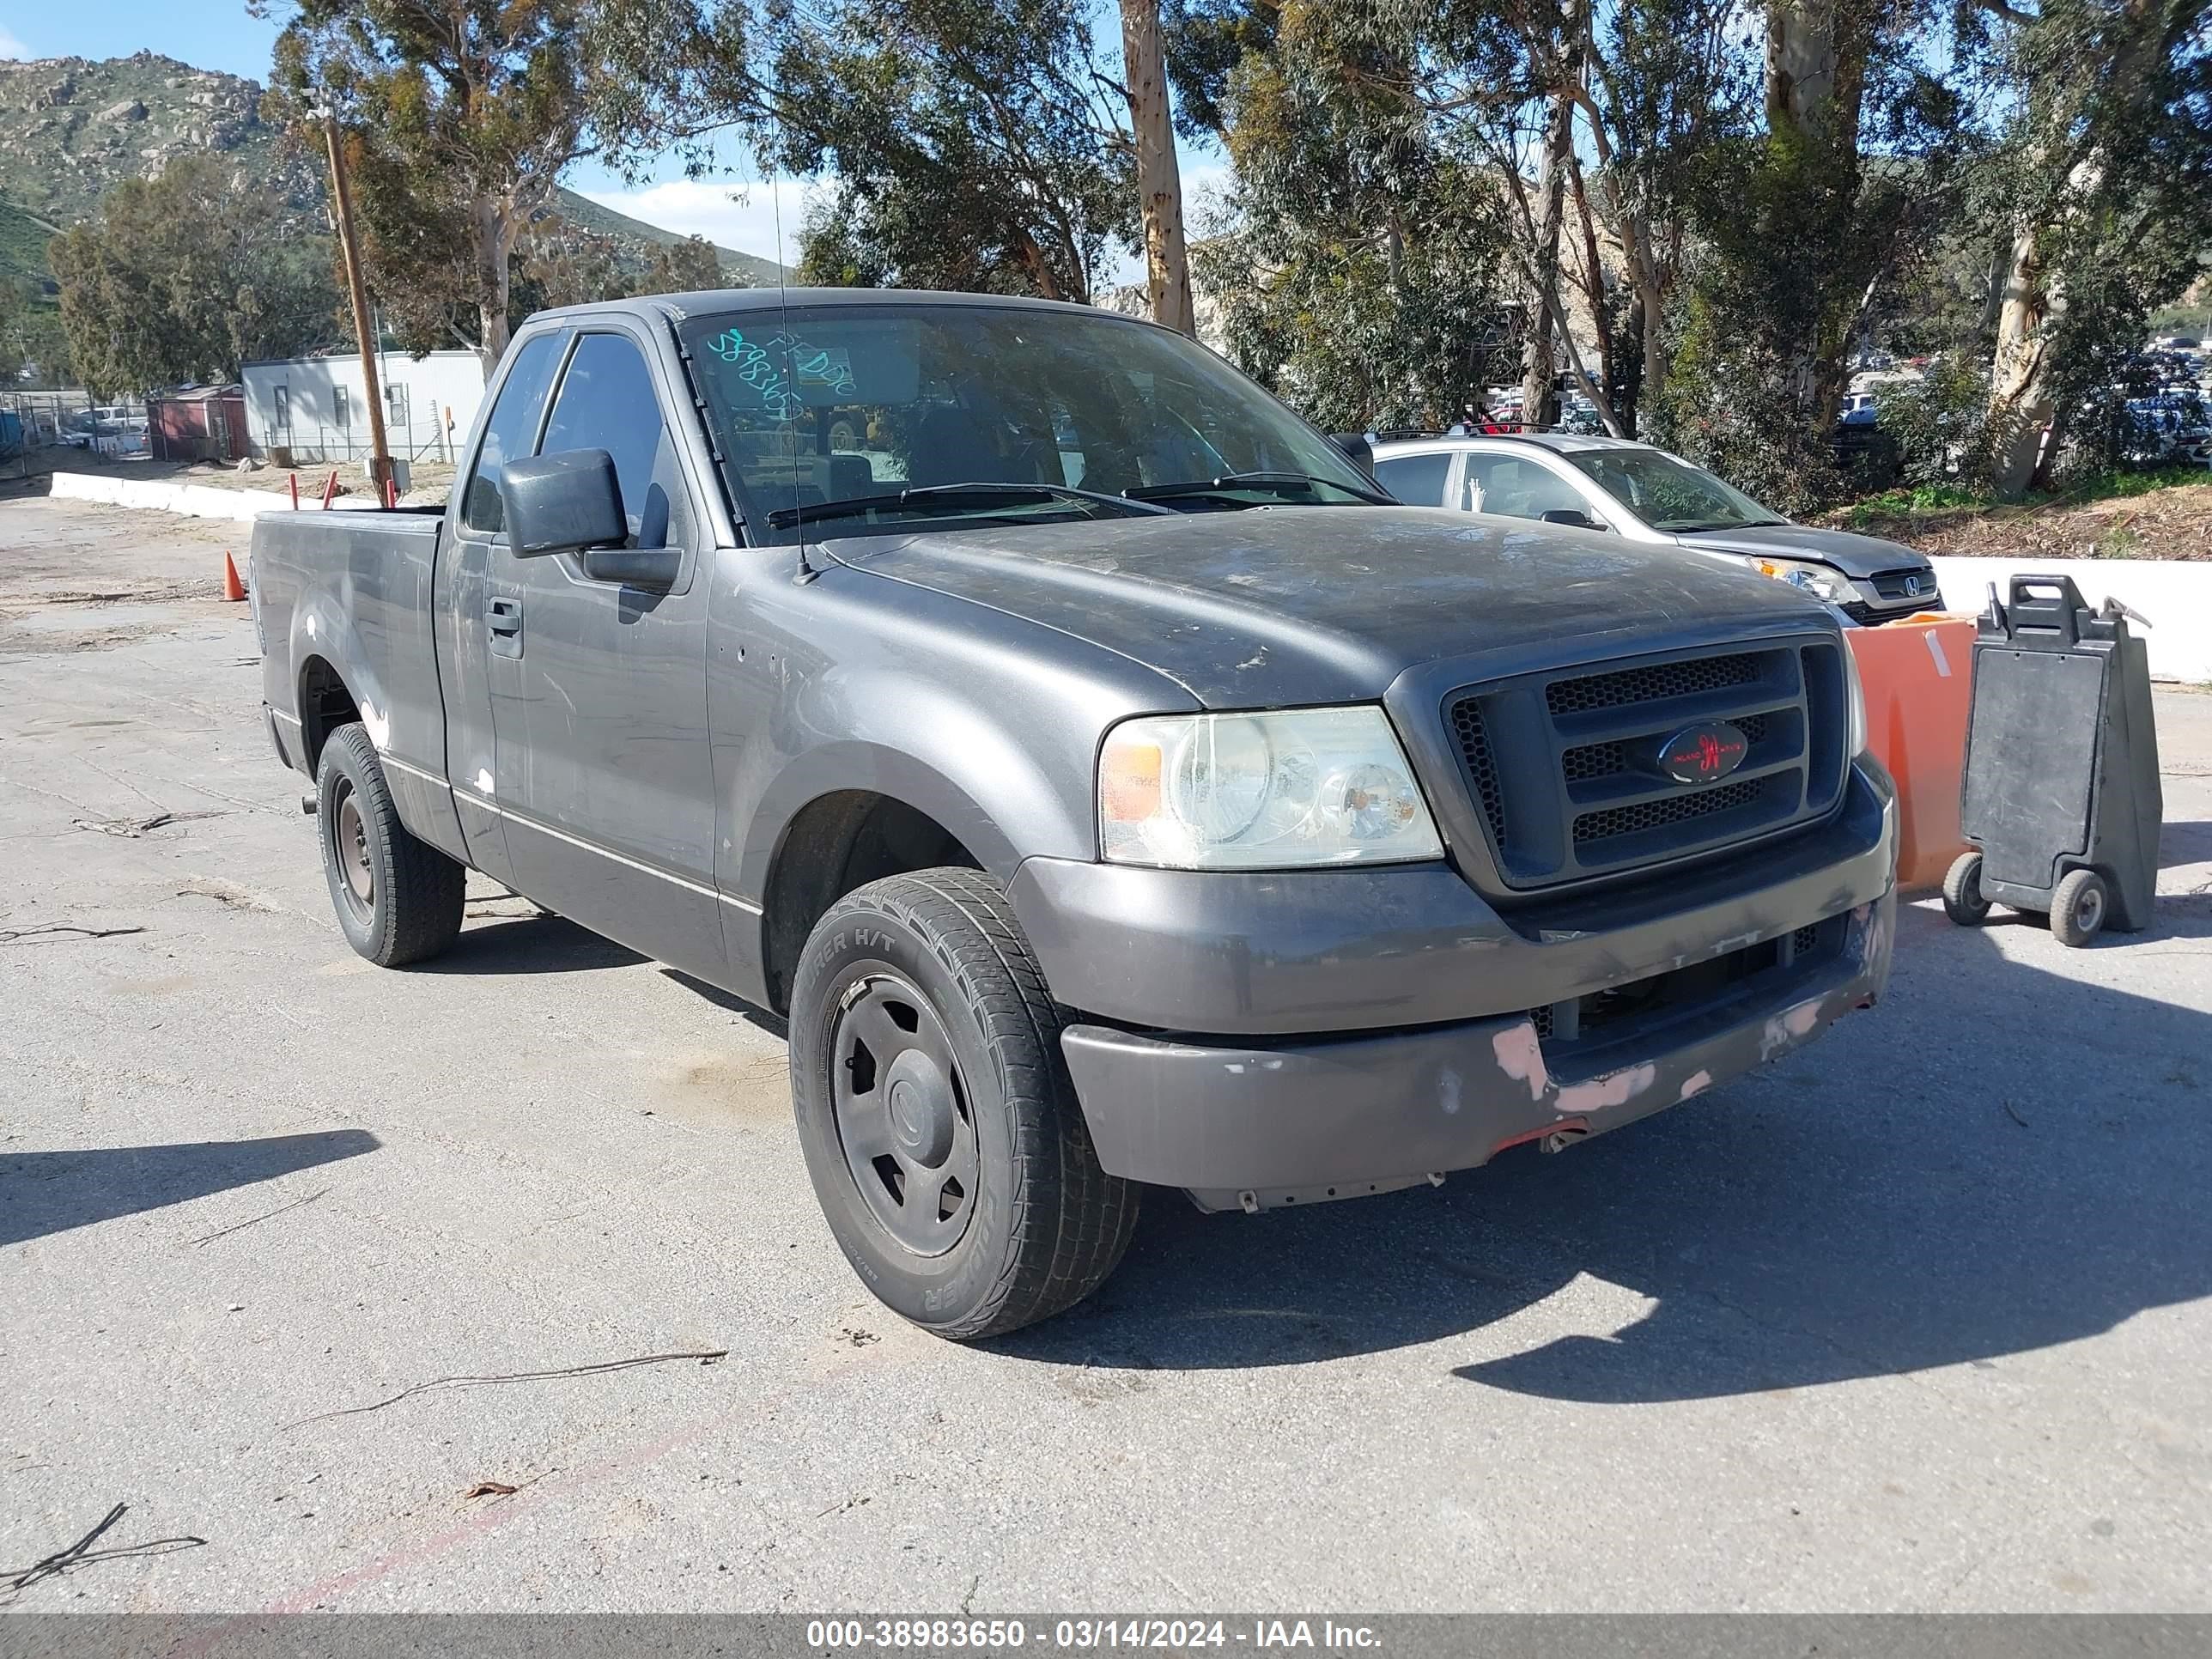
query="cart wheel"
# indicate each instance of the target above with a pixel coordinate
(2077, 908)
(1962, 891)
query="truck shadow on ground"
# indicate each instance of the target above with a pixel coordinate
(542, 944)
(43, 1192)
(1996, 1160)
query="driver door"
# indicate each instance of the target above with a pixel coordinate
(605, 780)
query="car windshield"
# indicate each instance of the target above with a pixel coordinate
(882, 406)
(1670, 494)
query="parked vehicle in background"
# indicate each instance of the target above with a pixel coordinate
(1109, 785)
(129, 435)
(1646, 496)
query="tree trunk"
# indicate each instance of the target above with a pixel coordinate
(1654, 383)
(1539, 399)
(2022, 394)
(1815, 83)
(1601, 304)
(495, 239)
(1539, 396)
(1159, 177)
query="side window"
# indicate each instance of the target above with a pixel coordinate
(1518, 489)
(607, 401)
(1416, 480)
(507, 433)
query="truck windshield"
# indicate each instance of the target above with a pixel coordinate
(1670, 494)
(880, 407)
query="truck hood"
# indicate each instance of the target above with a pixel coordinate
(1855, 556)
(1279, 606)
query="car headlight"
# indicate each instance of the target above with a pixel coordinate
(1261, 791)
(1819, 581)
(1856, 735)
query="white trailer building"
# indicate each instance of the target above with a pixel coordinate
(314, 407)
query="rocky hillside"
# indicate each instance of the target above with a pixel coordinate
(72, 128)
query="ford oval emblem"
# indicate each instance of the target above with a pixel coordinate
(1704, 754)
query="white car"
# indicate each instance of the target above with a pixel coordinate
(1645, 495)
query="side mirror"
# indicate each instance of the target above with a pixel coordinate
(562, 503)
(1572, 516)
(1355, 445)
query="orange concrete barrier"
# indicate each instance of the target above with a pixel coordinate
(1918, 676)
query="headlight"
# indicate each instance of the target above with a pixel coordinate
(1819, 581)
(1855, 730)
(1258, 792)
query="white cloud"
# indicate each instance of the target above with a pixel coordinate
(9, 45)
(743, 216)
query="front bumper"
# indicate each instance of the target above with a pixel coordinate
(1285, 1039)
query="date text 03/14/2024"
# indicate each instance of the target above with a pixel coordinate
(1001, 1635)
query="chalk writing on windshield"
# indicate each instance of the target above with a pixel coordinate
(780, 368)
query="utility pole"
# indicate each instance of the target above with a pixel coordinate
(379, 458)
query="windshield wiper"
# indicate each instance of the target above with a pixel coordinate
(952, 495)
(1736, 523)
(1266, 481)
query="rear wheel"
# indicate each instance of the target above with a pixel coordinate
(2079, 907)
(398, 899)
(943, 1137)
(1962, 891)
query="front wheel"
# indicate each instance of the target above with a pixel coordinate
(940, 1130)
(398, 898)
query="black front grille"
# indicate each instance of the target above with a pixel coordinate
(1898, 583)
(1618, 1011)
(1670, 809)
(1666, 679)
(1481, 766)
(1565, 767)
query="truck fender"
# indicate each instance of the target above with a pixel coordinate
(321, 628)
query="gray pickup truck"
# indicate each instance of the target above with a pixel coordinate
(1107, 782)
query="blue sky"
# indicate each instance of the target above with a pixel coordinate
(218, 34)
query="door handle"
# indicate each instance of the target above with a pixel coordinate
(503, 616)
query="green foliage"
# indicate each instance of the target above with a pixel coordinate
(459, 121)
(1205, 42)
(183, 277)
(1937, 423)
(1905, 512)
(1801, 230)
(976, 143)
(558, 265)
(1360, 275)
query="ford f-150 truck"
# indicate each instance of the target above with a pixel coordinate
(1111, 784)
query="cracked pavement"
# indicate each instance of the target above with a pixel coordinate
(1917, 1319)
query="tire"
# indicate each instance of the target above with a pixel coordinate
(1962, 891)
(919, 992)
(2079, 907)
(398, 899)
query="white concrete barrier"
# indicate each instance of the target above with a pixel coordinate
(2175, 594)
(195, 501)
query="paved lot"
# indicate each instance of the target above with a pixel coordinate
(1917, 1320)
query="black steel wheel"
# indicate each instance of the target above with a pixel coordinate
(398, 899)
(903, 1119)
(943, 1137)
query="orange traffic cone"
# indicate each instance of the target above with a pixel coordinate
(233, 589)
